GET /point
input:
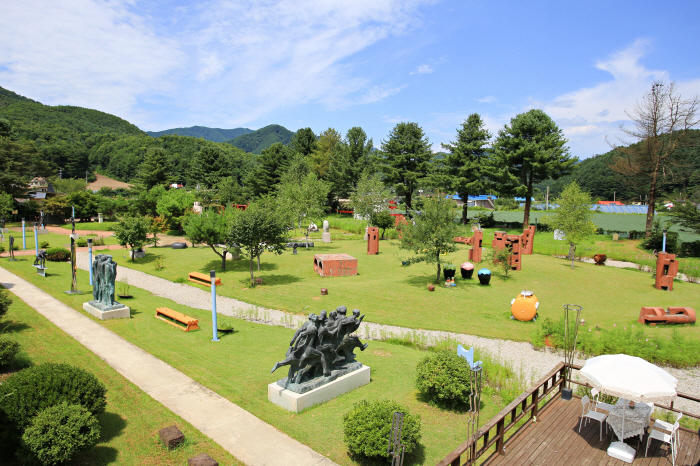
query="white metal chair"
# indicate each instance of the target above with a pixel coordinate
(592, 414)
(599, 404)
(671, 439)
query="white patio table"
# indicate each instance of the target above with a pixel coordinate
(636, 419)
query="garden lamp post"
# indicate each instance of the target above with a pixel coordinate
(24, 235)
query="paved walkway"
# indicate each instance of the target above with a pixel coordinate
(243, 435)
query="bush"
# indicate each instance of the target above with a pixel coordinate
(81, 243)
(690, 249)
(443, 378)
(44, 244)
(57, 433)
(655, 241)
(2, 248)
(5, 302)
(58, 254)
(19, 395)
(8, 350)
(367, 425)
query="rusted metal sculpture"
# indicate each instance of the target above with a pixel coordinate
(666, 271)
(501, 240)
(335, 265)
(529, 239)
(600, 259)
(475, 241)
(674, 315)
(372, 240)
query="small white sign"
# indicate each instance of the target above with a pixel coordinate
(75, 236)
(559, 235)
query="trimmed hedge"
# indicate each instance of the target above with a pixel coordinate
(57, 433)
(366, 428)
(8, 350)
(5, 302)
(58, 254)
(443, 378)
(36, 388)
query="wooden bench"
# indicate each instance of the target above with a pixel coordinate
(202, 279)
(190, 323)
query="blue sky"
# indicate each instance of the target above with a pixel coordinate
(368, 63)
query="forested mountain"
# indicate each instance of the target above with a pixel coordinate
(263, 138)
(210, 134)
(9, 97)
(596, 176)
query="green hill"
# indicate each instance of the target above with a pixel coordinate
(263, 138)
(210, 134)
(9, 97)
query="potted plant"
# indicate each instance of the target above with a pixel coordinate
(124, 290)
(224, 325)
(467, 270)
(449, 270)
(484, 276)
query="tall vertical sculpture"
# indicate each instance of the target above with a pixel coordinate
(73, 266)
(103, 305)
(570, 339)
(475, 369)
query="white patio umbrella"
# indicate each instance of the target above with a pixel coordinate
(632, 379)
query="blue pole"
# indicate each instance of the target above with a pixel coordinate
(73, 211)
(24, 236)
(90, 258)
(663, 248)
(212, 274)
(36, 241)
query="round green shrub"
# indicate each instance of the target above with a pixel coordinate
(44, 244)
(36, 388)
(2, 248)
(57, 433)
(367, 426)
(8, 350)
(5, 302)
(58, 254)
(81, 243)
(443, 378)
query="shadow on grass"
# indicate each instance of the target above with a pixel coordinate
(13, 327)
(416, 457)
(111, 425)
(100, 455)
(454, 408)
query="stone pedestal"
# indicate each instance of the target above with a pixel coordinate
(42, 231)
(100, 218)
(296, 402)
(40, 270)
(137, 254)
(118, 311)
(4, 231)
(326, 236)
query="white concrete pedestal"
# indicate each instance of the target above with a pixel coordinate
(296, 402)
(42, 231)
(119, 313)
(326, 236)
(622, 451)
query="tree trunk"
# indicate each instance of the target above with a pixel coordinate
(528, 197)
(409, 202)
(438, 264)
(572, 253)
(223, 261)
(307, 239)
(465, 215)
(259, 261)
(651, 203)
(252, 277)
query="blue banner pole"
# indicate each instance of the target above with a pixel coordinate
(24, 236)
(212, 274)
(36, 241)
(90, 258)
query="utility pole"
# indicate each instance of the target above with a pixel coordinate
(60, 173)
(613, 196)
(547, 201)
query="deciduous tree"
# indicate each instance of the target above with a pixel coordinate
(302, 201)
(661, 122)
(370, 195)
(304, 141)
(210, 228)
(132, 232)
(529, 150)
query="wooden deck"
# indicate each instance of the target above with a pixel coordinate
(554, 440)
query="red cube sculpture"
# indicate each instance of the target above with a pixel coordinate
(501, 240)
(529, 239)
(666, 271)
(335, 265)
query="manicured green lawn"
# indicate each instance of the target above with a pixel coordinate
(238, 368)
(54, 239)
(391, 294)
(132, 419)
(94, 226)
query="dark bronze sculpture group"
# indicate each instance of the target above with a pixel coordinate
(104, 272)
(322, 349)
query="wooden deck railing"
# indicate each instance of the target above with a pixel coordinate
(494, 431)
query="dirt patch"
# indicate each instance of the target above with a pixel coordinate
(381, 353)
(105, 181)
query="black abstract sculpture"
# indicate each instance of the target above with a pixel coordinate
(104, 272)
(41, 259)
(322, 350)
(12, 248)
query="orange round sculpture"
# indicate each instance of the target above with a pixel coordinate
(524, 307)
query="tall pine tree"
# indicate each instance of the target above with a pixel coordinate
(468, 160)
(155, 169)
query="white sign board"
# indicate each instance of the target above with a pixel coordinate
(559, 235)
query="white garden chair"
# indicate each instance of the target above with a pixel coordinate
(592, 414)
(668, 426)
(599, 404)
(671, 439)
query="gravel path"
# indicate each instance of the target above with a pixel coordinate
(529, 363)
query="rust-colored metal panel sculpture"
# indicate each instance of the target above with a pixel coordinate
(501, 240)
(335, 265)
(529, 239)
(372, 240)
(475, 241)
(666, 271)
(674, 315)
(600, 259)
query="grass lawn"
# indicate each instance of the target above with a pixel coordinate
(94, 226)
(238, 368)
(391, 294)
(132, 419)
(54, 239)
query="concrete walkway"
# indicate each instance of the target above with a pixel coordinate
(243, 435)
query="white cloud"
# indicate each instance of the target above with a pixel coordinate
(423, 69)
(488, 99)
(82, 52)
(377, 93)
